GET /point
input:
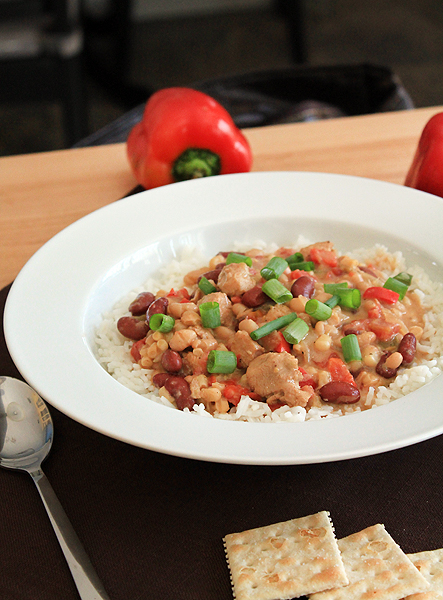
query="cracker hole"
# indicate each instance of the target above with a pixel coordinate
(313, 532)
(377, 546)
(247, 570)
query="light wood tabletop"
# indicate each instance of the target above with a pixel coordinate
(42, 193)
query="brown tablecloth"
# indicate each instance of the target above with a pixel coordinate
(153, 524)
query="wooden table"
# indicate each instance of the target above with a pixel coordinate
(40, 194)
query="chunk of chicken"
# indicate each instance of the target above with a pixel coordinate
(275, 375)
(226, 316)
(328, 246)
(235, 279)
(245, 348)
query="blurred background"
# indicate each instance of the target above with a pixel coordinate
(120, 53)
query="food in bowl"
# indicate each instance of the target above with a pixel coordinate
(267, 333)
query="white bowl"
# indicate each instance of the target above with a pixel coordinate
(58, 298)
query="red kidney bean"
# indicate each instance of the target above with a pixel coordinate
(254, 297)
(159, 379)
(214, 274)
(159, 306)
(339, 392)
(141, 304)
(171, 361)
(407, 348)
(179, 389)
(367, 270)
(177, 386)
(132, 328)
(383, 370)
(303, 286)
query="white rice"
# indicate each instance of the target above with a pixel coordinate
(113, 350)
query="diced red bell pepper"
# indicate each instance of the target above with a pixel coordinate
(384, 330)
(282, 345)
(233, 392)
(374, 312)
(296, 274)
(182, 292)
(135, 350)
(425, 172)
(339, 371)
(307, 379)
(323, 256)
(185, 134)
(381, 293)
(299, 273)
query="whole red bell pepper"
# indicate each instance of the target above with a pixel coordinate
(185, 134)
(426, 172)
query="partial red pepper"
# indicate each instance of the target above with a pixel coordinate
(181, 293)
(185, 134)
(381, 293)
(339, 371)
(233, 392)
(282, 345)
(323, 256)
(384, 330)
(135, 350)
(425, 172)
(307, 380)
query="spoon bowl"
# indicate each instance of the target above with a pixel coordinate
(26, 430)
(26, 434)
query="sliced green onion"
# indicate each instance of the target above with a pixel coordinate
(318, 310)
(234, 257)
(161, 322)
(395, 285)
(297, 257)
(350, 347)
(349, 297)
(274, 268)
(296, 331)
(332, 301)
(305, 265)
(343, 295)
(276, 291)
(404, 278)
(210, 314)
(332, 288)
(221, 361)
(273, 325)
(206, 286)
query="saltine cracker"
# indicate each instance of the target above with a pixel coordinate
(285, 560)
(376, 567)
(430, 565)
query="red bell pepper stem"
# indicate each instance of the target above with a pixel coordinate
(185, 134)
(194, 163)
(425, 172)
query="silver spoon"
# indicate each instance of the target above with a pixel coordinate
(26, 433)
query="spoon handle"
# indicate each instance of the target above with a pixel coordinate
(86, 579)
